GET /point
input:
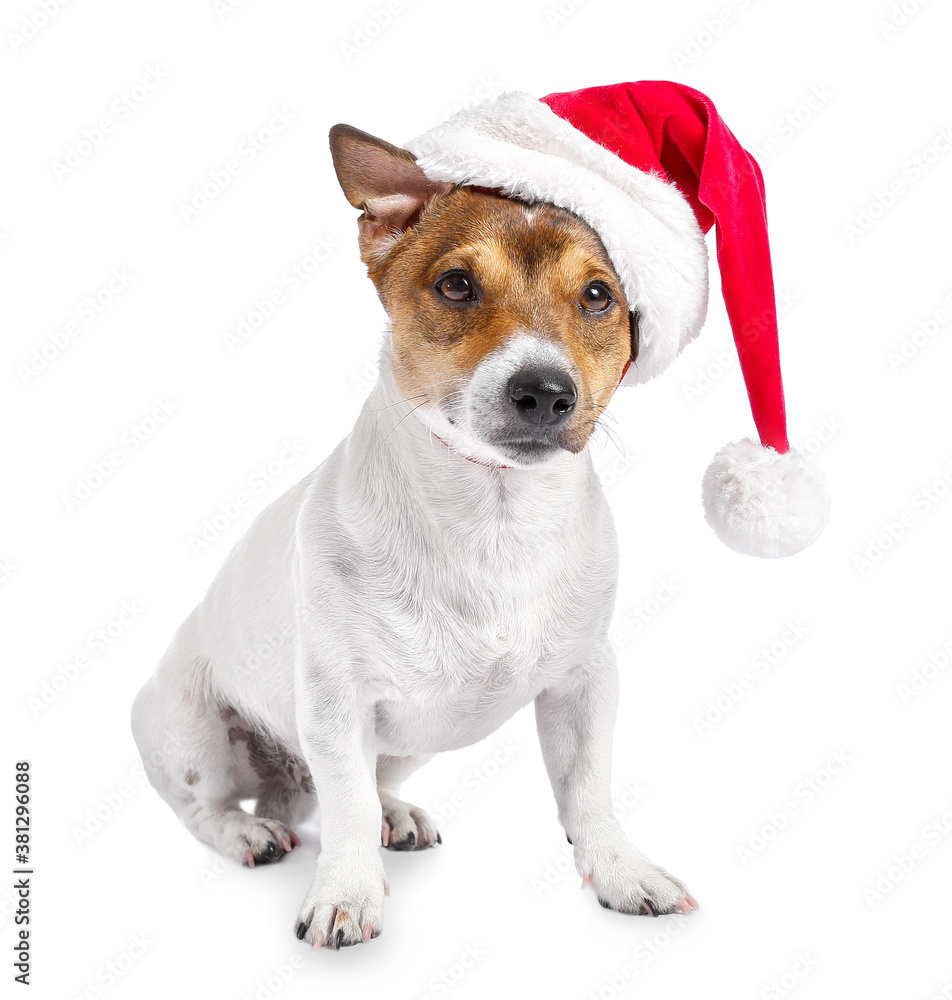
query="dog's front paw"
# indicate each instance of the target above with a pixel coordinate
(625, 880)
(405, 827)
(345, 902)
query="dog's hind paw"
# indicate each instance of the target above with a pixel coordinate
(405, 827)
(252, 840)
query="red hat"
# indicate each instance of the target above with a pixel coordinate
(651, 167)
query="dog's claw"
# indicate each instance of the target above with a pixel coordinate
(301, 931)
(651, 908)
(340, 938)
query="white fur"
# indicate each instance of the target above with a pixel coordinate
(471, 414)
(762, 503)
(399, 601)
(518, 144)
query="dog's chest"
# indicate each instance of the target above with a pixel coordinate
(471, 618)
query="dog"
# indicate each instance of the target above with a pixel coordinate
(452, 560)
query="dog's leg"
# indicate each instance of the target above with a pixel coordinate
(575, 721)
(404, 827)
(195, 762)
(344, 903)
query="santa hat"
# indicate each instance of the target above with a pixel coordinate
(651, 166)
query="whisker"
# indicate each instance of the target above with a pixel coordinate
(611, 436)
(404, 417)
(405, 399)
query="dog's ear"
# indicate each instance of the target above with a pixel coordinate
(385, 182)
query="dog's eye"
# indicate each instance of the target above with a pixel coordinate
(595, 298)
(455, 286)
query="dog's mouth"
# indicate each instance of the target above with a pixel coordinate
(518, 451)
(497, 441)
(528, 450)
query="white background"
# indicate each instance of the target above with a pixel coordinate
(131, 891)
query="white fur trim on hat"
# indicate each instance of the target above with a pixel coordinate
(517, 144)
(762, 503)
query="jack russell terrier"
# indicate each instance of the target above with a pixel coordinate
(454, 558)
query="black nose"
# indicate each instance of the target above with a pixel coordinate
(542, 398)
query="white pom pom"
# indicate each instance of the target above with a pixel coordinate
(762, 503)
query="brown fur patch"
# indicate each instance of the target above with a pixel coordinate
(529, 274)
(271, 760)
